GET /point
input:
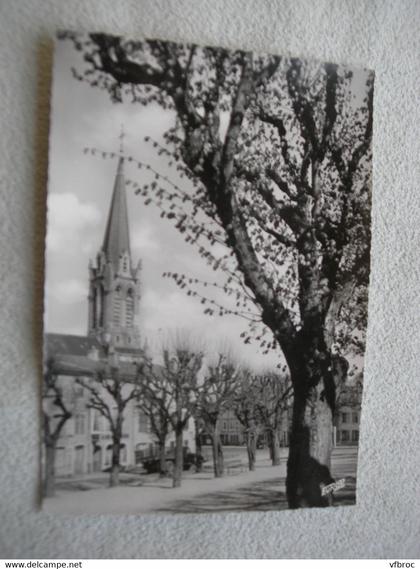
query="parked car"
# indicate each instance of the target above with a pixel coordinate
(261, 442)
(191, 460)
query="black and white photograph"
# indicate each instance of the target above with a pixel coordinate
(207, 274)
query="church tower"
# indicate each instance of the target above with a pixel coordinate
(114, 285)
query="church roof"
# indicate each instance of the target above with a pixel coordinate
(69, 344)
(74, 355)
(117, 239)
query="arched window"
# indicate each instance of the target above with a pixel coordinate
(116, 312)
(108, 456)
(79, 459)
(97, 421)
(99, 305)
(97, 458)
(129, 307)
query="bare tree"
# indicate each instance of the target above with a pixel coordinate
(278, 153)
(55, 414)
(111, 388)
(247, 410)
(274, 394)
(155, 402)
(199, 432)
(216, 396)
(172, 388)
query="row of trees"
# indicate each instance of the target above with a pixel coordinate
(187, 388)
(184, 386)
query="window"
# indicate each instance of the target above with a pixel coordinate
(284, 439)
(142, 422)
(108, 456)
(138, 455)
(129, 307)
(355, 417)
(123, 454)
(233, 425)
(60, 460)
(79, 424)
(79, 459)
(116, 306)
(98, 421)
(355, 436)
(345, 436)
(344, 417)
(97, 458)
(106, 426)
(64, 461)
(70, 426)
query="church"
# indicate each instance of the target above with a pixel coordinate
(113, 309)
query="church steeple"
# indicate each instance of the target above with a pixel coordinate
(114, 287)
(117, 239)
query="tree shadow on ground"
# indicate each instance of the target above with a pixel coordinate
(260, 496)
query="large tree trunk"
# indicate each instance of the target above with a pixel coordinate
(49, 472)
(198, 449)
(179, 459)
(251, 447)
(270, 446)
(162, 459)
(50, 445)
(220, 458)
(114, 478)
(218, 461)
(309, 462)
(274, 443)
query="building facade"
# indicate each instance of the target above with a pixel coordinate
(232, 431)
(348, 414)
(85, 442)
(345, 427)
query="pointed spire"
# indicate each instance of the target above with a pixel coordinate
(116, 239)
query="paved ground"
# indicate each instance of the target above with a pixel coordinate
(263, 489)
(269, 493)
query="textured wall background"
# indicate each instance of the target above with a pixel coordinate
(381, 35)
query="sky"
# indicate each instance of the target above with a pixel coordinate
(80, 188)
